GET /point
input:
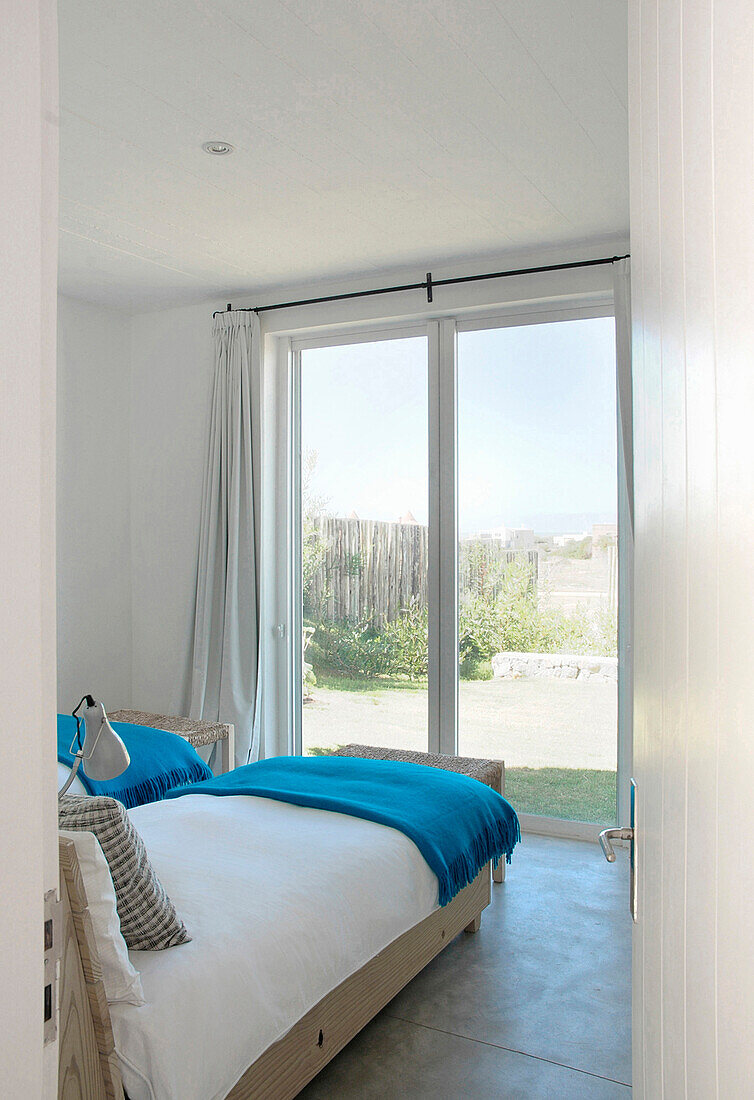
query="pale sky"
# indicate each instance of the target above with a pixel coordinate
(536, 426)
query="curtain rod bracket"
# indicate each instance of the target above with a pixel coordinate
(429, 286)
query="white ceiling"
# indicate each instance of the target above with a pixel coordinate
(370, 135)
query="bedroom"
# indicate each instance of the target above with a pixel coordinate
(387, 146)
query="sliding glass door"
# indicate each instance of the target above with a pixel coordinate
(538, 568)
(364, 543)
(456, 557)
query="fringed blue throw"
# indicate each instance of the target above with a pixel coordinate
(457, 823)
(159, 761)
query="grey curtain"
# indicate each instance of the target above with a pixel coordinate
(225, 668)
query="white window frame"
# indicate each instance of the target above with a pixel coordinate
(442, 331)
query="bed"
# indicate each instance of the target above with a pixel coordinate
(260, 1000)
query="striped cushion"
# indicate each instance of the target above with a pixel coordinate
(148, 919)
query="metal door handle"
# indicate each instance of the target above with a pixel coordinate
(625, 834)
(613, 834)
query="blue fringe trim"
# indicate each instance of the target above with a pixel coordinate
(152, 789)
(494, 842)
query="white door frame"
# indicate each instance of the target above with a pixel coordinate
(28, 291)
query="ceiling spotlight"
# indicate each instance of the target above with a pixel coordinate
(218, 148)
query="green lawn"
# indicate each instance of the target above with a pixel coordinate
(366, 686)
(574, 793)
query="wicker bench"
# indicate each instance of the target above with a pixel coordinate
(490, 772)
(199, 734)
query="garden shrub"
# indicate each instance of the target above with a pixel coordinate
(471, 668)
(579, 549)
(514, 620)
(399, 649)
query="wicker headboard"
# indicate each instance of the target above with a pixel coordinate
(87, 1063)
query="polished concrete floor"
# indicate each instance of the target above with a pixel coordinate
(536, 1005)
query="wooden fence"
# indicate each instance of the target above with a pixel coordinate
(367, 569)
(362, 570)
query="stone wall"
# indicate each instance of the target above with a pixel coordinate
(554, 666)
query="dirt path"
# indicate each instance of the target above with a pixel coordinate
(534, 723)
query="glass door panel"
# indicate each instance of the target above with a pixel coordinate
(364, 544)
(538, 562)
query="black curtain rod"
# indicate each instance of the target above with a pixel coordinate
(429, 284)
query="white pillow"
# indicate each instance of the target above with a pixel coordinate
(77, 787)
(122, 981)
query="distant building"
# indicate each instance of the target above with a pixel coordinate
(511, 538)
(608, 531)
(565, 540)
(519, 538)
(495, 534)
(408, 517)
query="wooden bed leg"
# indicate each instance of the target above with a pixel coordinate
(498, 869)
(475, 925)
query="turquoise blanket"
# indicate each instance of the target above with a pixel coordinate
(457, 823)
(159, 761)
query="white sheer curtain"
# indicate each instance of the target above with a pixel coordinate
(622, 303)
(226, 627)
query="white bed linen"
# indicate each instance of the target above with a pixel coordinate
(283, 903)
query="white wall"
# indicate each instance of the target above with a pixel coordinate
(93, 505)
(172, 368)
(28, 241)
(692, 179)
(133, 408)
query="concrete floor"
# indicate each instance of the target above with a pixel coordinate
(536, 1005)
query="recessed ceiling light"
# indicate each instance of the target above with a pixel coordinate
(218, 148)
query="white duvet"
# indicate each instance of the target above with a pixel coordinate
(283, 903)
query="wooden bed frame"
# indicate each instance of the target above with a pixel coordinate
(88, 1065)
